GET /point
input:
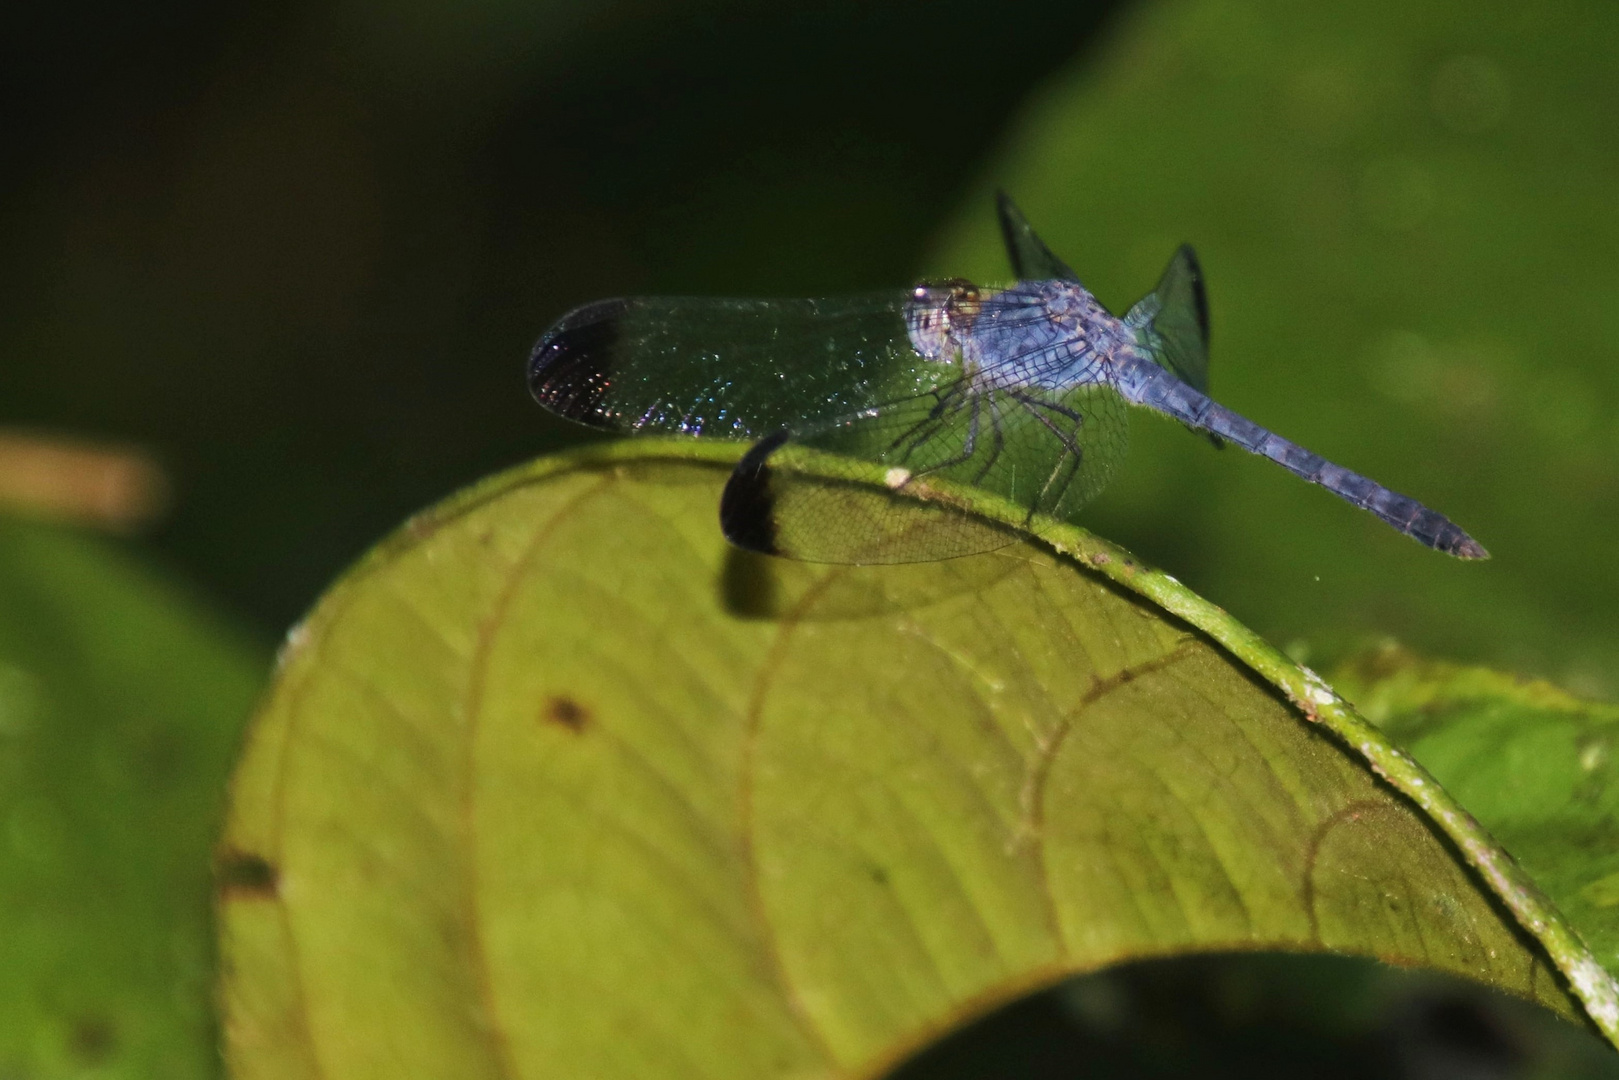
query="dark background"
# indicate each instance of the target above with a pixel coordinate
(301, 251)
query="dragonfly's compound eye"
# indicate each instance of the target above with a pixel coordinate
(937, 314)
(964, 302)
(927, 321)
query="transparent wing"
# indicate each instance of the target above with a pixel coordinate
(735, 369)
(1174, 321)
(849, 491)
(1031, 259)
(1177, 313)
(865, 447)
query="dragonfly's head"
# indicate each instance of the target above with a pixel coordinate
(936, 316)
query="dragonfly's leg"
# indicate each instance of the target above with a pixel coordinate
(997, 442)
(1069, 462)
(969, 445)
(943, 401)
(1072, 460)
(916, 437)
(1041, 403)
(1033, 405)
(928, 426)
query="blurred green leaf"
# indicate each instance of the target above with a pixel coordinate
(120, 707)
(1533, 763)
(555, 783)
(1408, 216)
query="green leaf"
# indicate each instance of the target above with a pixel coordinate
(1404, 211)
(1533, 763)
(120, 707)
(555, 783)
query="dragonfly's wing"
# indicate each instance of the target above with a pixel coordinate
(736, 369)
(864, 447)
(1177, 315)
(1031, 259)
(1042, 451)
(1174, 319)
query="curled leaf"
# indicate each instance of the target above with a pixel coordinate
(557, 783)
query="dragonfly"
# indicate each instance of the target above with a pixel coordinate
(869, 416)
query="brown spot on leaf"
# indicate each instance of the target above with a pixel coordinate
(564, 711)
(242, 875)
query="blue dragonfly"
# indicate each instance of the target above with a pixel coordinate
(851, 404)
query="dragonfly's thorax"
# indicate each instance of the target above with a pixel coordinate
(1047, 334)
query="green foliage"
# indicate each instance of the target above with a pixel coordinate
(1407, 215)
(555, 782)
(1532, 763)
(120, 706)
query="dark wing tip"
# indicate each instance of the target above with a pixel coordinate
(748, 506)
(570, 369)
(1031, 259)
(1200, 297)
